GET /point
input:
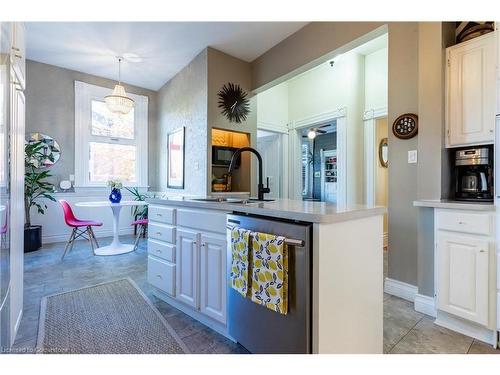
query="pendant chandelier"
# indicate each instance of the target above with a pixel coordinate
(119, 101)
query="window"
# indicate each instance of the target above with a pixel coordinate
(108, 145)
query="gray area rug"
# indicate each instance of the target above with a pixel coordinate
(110, 318)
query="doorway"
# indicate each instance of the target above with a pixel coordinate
(270, 146)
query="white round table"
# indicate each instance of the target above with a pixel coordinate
(116, 247)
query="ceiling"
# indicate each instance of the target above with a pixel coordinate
(165, 47)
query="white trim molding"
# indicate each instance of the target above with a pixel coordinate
(425, 305)
(370, 119)
(264, 125)
(322, 117)
(84, 94)
(400, 289)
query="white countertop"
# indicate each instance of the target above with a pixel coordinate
(314, 212)
(458, 205)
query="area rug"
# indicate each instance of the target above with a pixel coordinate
(110, 318)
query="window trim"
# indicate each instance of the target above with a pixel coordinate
(84, 94)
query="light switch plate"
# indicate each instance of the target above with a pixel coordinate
(412, 157)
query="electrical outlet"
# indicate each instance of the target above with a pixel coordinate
(412, 157)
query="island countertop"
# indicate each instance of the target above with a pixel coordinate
(307, 211)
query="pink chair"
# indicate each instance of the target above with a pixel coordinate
(77, 224)
(143, 227)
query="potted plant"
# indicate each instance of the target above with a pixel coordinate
(139, 212)
(35, 188)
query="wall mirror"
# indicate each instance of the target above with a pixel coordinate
(51, 148)
(175, 159)
(383, 152)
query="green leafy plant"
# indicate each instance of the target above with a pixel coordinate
(139, 212)
(35, 184)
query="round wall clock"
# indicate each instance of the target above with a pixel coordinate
(234, 103)
(405, 126)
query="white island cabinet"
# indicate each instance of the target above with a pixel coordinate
(189, 261)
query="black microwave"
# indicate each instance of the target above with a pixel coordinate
(221, 156)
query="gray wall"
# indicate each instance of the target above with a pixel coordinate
(434, 172)
(50, 109)
(223, 68)
(402, 98)
(182, 101)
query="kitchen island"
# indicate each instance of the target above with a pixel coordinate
(188, 264)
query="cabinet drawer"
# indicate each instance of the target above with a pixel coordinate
(161, 232)
(161, 214)
(203, 220)
(465, 222)
(161, 275)
(161, 250)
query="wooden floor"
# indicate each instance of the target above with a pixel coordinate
(405, 330)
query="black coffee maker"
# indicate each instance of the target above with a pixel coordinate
(474, 174)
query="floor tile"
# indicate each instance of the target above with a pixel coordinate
(479, 347)
(399, 318)
(429, 338)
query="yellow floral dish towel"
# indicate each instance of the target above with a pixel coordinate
(239, 260)
(269, 267)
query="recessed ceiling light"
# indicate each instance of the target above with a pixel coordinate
(132, 57)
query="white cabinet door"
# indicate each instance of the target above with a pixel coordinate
(462, 276)
(187, 258)
(471, 92)
(213, 276)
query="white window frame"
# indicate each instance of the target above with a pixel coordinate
(84, 94)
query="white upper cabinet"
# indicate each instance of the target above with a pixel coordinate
(471, 92)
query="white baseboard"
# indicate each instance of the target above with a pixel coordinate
(467, 328)
(400, 289)
(425, 305)
(98, 233)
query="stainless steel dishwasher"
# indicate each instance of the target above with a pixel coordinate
(259, 329)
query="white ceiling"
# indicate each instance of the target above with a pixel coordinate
(165, 47)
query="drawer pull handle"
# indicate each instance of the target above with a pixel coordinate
(461, 222)
(18, 56)
(482, 251)
(15, 48)
(158, 251)
(158, 233)
(159, 276)
(159, 215)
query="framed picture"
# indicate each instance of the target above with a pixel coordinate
(175, 159)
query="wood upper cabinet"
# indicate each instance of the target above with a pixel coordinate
(471, 92)
(187, 258)
(462, 276)
(212, 276)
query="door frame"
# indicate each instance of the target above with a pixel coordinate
(340, 116)
(370, 118)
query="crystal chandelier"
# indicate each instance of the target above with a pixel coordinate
(119, 101)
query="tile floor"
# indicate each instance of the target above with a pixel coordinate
(405, 330)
